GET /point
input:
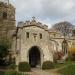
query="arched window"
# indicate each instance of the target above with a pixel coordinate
(64, 46)
(4, 15)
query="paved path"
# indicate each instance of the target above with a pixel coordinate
(36, 71)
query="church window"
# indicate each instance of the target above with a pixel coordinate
(4, 15)
(64, 46)
(27, 34)
(40, 36)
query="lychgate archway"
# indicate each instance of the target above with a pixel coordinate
(34, 56)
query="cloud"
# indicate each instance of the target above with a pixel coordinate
(47, 11)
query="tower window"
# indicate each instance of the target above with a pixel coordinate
(27, 34)
(4, 15)
(73, 33)
(40, 36)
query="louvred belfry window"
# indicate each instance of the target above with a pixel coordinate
(4, 15)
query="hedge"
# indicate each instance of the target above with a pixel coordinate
(24, 67)
(47, 65)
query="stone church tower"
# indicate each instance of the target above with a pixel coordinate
(7, 23)
(7, 19)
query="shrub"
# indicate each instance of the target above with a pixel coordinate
(24, 67)
(12, 66)
(1, 73)
(47, 65)
(9, 73)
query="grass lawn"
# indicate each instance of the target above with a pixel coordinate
(57, 65)
(11, 73)
(67, 68)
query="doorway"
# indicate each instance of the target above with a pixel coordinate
(34, 56)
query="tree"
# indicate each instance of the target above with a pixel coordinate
(64, 27)
(4, 50)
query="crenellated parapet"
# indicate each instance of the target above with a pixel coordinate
(33, 22)
(3, 4)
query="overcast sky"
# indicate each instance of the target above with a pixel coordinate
(47, 11)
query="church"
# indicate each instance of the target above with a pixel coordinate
(32, 41)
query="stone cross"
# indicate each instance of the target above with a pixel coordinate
(33, 18)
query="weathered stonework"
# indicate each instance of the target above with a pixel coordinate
(24, 44)
(31, 39)
(50, 43)
(7, 22)
(7, 19)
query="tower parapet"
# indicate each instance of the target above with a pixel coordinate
(5, 1)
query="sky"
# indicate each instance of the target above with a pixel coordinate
(46, 11)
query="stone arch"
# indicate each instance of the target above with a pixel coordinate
(35, 56)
